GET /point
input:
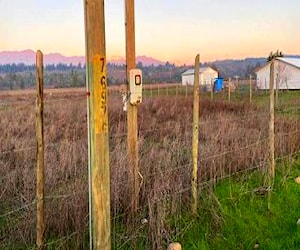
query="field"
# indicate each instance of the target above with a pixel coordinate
(233, 161)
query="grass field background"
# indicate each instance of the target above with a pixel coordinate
(233, 165)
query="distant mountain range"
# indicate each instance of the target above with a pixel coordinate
(226, 68)
(28, 57)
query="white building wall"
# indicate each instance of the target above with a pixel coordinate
(208, 77)
(288, 76)
(293, 79)
(187, 79)
(263, 77)
(204, 77)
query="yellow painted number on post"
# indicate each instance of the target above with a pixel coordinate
(100, 89)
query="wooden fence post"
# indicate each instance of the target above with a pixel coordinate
(132, 135)
(211, 90)
(266, 89)
(229, 90)
(40, 149)
(186, 90)
(99, 171)
(277, 90)
(250, 88)
(271, 123)
(195, 137)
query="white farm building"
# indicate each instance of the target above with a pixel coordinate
(286, 74)
(206, 76)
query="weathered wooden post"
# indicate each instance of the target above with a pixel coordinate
(229, 90)
(132, 135)
(186, 90)
(40, 149)
(271, 123)
(99, 172)
(195, 137)
(211, 90)
(266, 89)
(250, 89)
(277, 90)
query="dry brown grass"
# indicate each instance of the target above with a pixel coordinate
(233, 137)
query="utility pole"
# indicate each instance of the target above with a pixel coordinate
(132, 134)
(99, 173)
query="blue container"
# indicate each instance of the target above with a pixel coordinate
(218, 84)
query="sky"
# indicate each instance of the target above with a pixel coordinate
(168, 30)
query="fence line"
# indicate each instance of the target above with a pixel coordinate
(67, 141)
(18, 209)
(260, 140)
(49, 145)
(141, 132)
(63, 239)
(201, 184)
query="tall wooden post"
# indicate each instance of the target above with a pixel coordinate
(229, 90)
(276, 92)
(266, 89)
(250, 89)
(271, 123)
(40, 150)
(99, 173)
(186, 90)
(195, 137)
(132, 136)
(211, 90)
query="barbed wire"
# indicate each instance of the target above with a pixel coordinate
(234, 150)
(61, 240)
(203, 183)
(17, 150)
(141, 132)
(18, 209)
(144, 132)
(288, 156)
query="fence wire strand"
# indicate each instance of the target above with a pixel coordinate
(185, 126)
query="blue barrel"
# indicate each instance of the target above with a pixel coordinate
(218, 84)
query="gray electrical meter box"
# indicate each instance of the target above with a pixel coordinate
(135, 86)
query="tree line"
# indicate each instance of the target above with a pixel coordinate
(21, 76)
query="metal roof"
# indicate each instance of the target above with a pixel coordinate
(201, 70)
(290, 60)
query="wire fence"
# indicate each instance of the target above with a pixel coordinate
(233, 140)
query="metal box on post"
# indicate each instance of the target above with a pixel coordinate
(135, 86)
